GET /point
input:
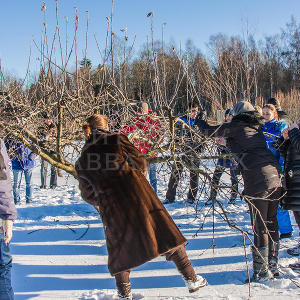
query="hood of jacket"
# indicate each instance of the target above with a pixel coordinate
(252, 118)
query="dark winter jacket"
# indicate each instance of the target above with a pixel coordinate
(7, 206)
(290, 151)
(283, 119)
(259, 168)
(137, 226)
(185, 137)
(45, 133)
(22, 158)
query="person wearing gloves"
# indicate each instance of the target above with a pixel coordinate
(111, 173)
(8, 214)
(260, 171)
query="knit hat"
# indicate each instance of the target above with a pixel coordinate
(275, 102)
(242, 107)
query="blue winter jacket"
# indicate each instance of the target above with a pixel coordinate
(272, 131)
(189, 122)
(22, 158)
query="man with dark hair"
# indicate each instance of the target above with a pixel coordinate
(185, 124)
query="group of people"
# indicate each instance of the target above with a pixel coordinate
(138, 227)
(23, 160)
(263, 159)
(22, 163)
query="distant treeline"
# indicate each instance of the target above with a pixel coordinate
(232, 69)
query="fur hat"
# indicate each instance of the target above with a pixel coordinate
(242, 107)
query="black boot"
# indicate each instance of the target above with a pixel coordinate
(273, 258)
(260, 265)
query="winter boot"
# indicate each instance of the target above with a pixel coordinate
(294, 251)
(123, 285)
(192, 281)
(260, 265)
(127, 297)
(194, 286)
(273, 258)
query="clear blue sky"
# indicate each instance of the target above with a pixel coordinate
(21, 21)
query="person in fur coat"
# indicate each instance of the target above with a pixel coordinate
(262, 185)
(111, 174)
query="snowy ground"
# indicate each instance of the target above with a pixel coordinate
(59, 253)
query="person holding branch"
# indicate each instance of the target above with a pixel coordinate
(111, 174)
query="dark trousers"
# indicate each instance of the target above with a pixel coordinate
(177, 255)
(176, 173)
(53, 174)
(219, 170)
(263, 211)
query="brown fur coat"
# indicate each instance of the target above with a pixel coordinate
(138, 228)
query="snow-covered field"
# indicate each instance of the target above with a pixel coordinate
(59, 252)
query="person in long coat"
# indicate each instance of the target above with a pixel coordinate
(262, 185)
(137, 226)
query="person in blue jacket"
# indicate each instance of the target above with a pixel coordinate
(273, 130)
(22, 162)
(222, 165)
(183, 132)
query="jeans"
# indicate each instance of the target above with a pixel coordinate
(6, 291)
(53, 175)
(152, 176)
(17, 176)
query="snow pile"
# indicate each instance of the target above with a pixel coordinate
(59, 253)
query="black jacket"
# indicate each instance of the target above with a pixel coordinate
(283, 117)
(290, 151)
(259, 168)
